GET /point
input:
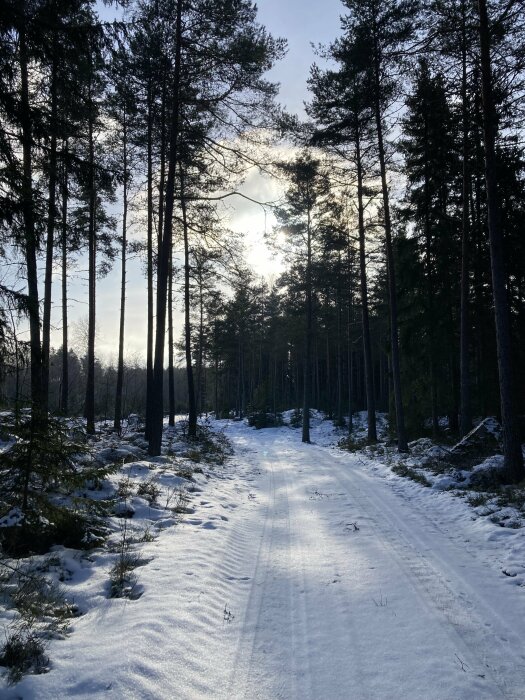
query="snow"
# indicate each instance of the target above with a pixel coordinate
(14, 517)
(296, 571)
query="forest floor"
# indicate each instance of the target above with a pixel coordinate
(295, 571)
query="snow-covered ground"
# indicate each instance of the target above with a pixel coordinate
(303, 572)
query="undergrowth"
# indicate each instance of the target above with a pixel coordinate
(403, 470)
(210, 446)
(41, 613)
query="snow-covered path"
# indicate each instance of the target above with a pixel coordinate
(358, 594)
(301, 575)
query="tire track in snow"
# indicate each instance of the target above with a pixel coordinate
(297, 588)
(301, 667)
(189, 656)
(261, 670)
(468, 615)
(331, 654)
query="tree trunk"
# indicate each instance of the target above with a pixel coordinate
(240, 381)
(328, 383)
(307, 378)
(120, 366)
(157, 407)
(30, 242)
(216, 386)
(51, 207)
(392, 291)
(513, 456)
(17, 371)
(350, 362)
(162, 169)
(365, 318)
(200, 350)
(192, 405)
(149, 340)
(465, 421)
(430, 320)
(171, 369)
(339, 416)
(30, 249)
(64, 400)
(89, 410)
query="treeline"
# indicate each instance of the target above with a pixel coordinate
(157, 113)
(16, 387)
(401, 221)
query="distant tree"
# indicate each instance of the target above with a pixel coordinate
(98, 180)
(373, 40)
(299, 218)
(122, 110)
(344, 124)
(229, 90)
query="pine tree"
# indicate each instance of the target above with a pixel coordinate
(345, 120)
(300, 219)
(122, 110)
(243, 51)
(511, 444)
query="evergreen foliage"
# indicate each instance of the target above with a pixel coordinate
(38, 472)
(401, 218)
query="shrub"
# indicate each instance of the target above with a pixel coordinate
(79, 525)
(38, 466)
(404, 470)
(186, 473)
(194, 455)
(213, 446)
(149, 489)
(40, 457)
(477, 499)
(122, 577)
(42, 612)
(512, 496)
(263, 419)
(351, 444)
(296, 419)
(22, 652)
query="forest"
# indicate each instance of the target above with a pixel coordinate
(399, 225)
(400, 222)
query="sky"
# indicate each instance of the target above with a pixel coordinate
(302, 23)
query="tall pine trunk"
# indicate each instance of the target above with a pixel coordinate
(192, 404)
(391, 272)
(307, 376)
(465, 419)
(30, 242)
(157, 405)
(120, 366)
(430, 319)
(513, 456)
(162, 183)
(339, 415)
(171, 367)
(200, 349)
(350, 363)
(51, 208)
(64, 397)
(149, 265)
(365, 317)
(89, 409)
(30, 249)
